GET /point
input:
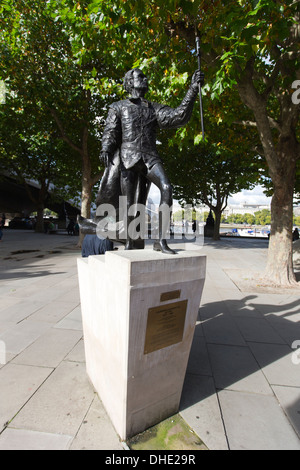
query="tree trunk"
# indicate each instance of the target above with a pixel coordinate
(86, 189)
(218, 215)
(86, 185)
(281, 157)
(86, 197)
(86, 201)
(221, 204)
(39, 227)
(279, 270)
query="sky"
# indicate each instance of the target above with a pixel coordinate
(254, 196)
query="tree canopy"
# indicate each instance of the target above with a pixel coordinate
(65, 60)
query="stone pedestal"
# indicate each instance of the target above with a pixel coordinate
(139, 310)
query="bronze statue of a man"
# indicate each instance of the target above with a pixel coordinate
(129, 146)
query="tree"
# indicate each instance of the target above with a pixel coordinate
(249, 50)
(43, 73)
(256, 52)
(209, 175)
(66, 59)
(249, 219)
(263, 217)
(249, 47)
(30, 150)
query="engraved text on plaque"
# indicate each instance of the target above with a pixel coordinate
(165, 326)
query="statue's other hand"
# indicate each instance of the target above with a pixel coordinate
(198, 78)
(106, 158)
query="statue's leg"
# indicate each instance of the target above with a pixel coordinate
(129, 180)
(158, 176)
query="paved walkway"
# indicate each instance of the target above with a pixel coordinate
(242, 388)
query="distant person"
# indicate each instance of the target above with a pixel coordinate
(76, 229)
(71, 227)
(295, 234)
(186, 226)
(2, 224)
(51, 225)
(46, 226)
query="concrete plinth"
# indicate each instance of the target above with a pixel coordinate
(139, 310)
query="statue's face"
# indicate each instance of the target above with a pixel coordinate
(140, 81)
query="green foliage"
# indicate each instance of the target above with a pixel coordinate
(171, 434)
(297, 220)
(63, 62)
(189, 214)
(262, 217)
(209, 174)
(48, 94)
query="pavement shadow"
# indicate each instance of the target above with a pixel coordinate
(30, 255)
(235, 243)
(20, 265)
(226, 243)
(17, 274)
(238, 338)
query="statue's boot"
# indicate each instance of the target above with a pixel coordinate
(129, 245)
(161, 245)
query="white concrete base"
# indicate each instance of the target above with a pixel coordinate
(139, 388)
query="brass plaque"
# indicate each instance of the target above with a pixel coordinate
(175, 294)
(165, 326)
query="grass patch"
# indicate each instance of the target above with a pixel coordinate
(171, 434)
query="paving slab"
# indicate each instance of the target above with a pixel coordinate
(54, 311)
(77, 354)
(23, 334)
(242, 388)
(60, 404)
(289, 399)
(221, 328)
(96, 431)
(50, 348)
(18, 383)
(19, 310)
(258, 330)
(72, 321)
(256, 422)
(276, 362)
(199, 362)
(200, 409)
(20, 439)
(235, 368)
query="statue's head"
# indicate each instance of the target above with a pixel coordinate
(135, 82)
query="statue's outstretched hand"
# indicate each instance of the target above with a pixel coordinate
(106, 158)
(198, 78)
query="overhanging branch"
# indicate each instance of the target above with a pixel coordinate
(64, 136)
(273, 124)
